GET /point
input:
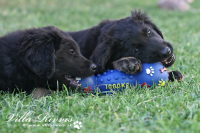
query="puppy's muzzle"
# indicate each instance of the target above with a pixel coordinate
(166, 52)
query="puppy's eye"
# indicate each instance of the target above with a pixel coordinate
(71, 51)
(136, 51)
(148, 33)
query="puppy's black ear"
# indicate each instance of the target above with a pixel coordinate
(102, 53)
(40, 46)
(105, 49)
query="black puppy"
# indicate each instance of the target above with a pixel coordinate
(126, 43)
(41, 58)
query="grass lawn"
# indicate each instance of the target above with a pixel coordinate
(173, 108)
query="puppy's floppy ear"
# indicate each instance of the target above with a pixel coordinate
(103, 52)
(106, 45)
(40, 46)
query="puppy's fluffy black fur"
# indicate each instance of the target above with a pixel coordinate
(125, 44)
(41, 58)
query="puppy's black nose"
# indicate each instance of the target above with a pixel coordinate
(166, 52)
(93, 67)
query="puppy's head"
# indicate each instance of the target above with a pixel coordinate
(51, 53)
(138, 37)
(70, 62)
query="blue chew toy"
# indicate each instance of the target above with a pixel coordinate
(152, 73)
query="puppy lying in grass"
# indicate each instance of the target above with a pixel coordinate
(125, 44)
(41, 58)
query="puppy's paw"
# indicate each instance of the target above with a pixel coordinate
(71, 83)
(75, 87)
(175, 75)
(129, 65)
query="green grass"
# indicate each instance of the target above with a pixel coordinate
(174, 108)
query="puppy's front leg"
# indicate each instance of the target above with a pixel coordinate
(129, 65)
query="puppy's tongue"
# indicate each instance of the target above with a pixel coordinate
(169, 61)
